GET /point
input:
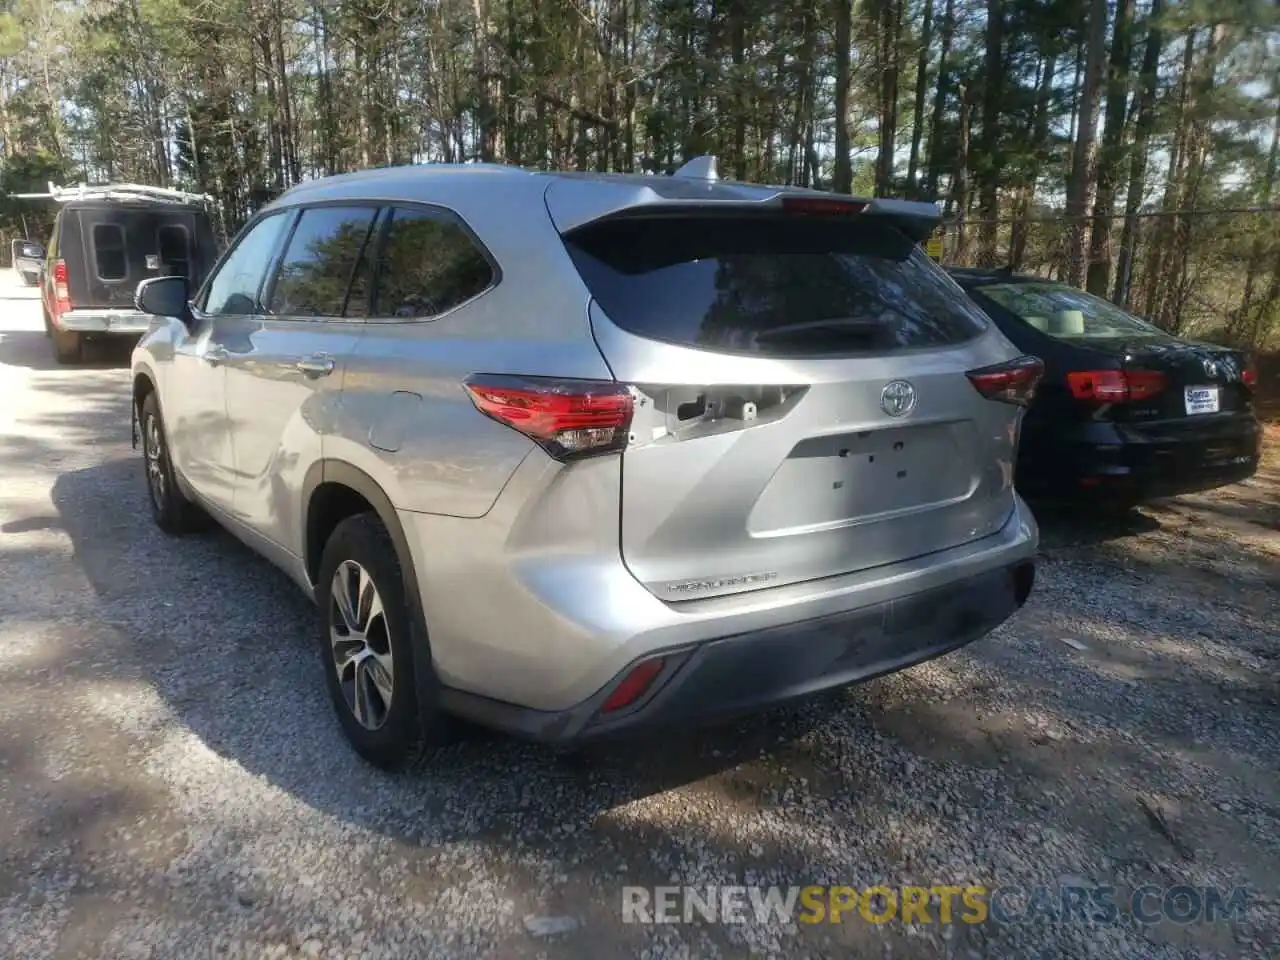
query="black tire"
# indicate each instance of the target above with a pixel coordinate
(399, 733)
(68, 346)
(172, 511)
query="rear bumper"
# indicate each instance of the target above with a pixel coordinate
(105, 321)
(739, 674)
(1125, 464)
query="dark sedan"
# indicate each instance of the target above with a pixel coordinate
(1126, 412)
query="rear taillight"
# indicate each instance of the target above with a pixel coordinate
(61, 294)
(567, 418)
(1012, 382)
(1249, 375)
(1115, 386)
(822, 206)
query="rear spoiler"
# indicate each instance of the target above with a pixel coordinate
(696, 188)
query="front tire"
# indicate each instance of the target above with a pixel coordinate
(170, 508)
(367, 645)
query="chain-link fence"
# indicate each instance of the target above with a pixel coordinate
(1206, 273)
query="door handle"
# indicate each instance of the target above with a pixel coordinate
(216, 356)
(317, 366)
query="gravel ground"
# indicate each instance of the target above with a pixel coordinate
(173, 784)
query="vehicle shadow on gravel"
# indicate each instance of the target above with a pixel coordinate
(32, 349)
(1055, 750)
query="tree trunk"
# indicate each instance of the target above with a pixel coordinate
(1039, 147)
(989, 166)
(888, 43)
(1098, 280)
(844, 163)
(1242, 328)
(1079, 182)
(1138, 154)
(960, 182)
(1154, 280)
(941, 90)
(922, 84)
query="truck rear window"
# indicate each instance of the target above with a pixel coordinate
(108, 251)
(771, 286)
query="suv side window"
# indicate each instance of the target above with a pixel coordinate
(319, 266)
(427, 264)
(233, 289)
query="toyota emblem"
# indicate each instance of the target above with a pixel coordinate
(898, 398)
(1210, 368)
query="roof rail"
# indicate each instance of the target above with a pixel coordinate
(116, 191)
(699, 168)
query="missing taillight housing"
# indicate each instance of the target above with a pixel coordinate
(1115, 386)
(1012, 382)
(569, 419)
(61, 290)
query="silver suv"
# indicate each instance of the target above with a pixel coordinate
(573, 454)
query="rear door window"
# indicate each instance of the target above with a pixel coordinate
(772, 286)
(427, 264)
(233, 289)
(109, 251)
(315, 275)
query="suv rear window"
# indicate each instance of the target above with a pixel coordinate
(769, 286)
(108, 251)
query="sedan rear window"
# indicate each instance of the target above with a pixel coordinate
(772, 286)
(1065, 312)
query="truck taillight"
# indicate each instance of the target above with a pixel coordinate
(1013, 382)
(569, 419)
(61, 294)
(1115, 386)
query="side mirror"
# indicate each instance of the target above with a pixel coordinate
(163, 297)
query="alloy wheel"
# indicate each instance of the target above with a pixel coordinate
(153, 447)
(361, 645)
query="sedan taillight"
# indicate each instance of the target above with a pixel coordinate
(1013, 382)
(569, 419)
(1115, 386)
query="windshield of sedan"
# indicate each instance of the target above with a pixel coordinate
(1066, 313)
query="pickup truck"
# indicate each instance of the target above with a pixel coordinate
(28, 261)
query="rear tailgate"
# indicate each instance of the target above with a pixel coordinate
(125, 244)
(804, 407)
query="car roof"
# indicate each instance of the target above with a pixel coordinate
(572, 199)
(978, 276)
(102, 203)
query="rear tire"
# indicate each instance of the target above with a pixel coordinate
(68, 346)
(170, 508)
(369, 642)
